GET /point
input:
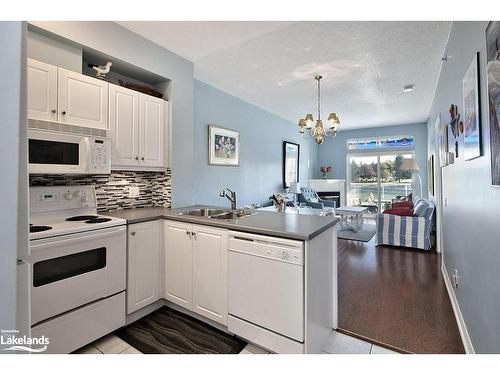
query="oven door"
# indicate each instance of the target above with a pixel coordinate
(51, 152)
(73, 270)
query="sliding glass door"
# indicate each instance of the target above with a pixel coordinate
(374, 179)
(363, 181)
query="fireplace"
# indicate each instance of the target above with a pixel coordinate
(333, 196)
(330, 189)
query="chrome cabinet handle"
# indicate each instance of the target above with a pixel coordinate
(137, 158)
(53, 111)
(193, 234)
(142, 158)
(188, 232)
(132, 233)
(63, 112)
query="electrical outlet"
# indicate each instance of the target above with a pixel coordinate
(446, 202)
(455, 278)
(133, 191)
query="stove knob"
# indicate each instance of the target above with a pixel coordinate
(68, 195)
(77, 194)
(285, 255)
(84, 198)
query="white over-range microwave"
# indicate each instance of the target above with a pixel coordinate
(67, 151)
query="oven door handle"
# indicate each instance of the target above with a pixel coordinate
(70, 238)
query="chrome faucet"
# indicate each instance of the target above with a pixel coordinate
(231, 198)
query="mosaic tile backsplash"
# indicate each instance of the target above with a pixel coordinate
(155, 188)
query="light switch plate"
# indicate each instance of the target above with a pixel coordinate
(133, 191)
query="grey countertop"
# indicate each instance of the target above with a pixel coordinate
(278, 224)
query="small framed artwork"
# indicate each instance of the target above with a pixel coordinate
(472, 112)
(223, 146)
(291, 161)
(493, 75)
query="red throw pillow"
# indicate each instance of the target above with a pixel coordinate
(399, 211)
(403, 204)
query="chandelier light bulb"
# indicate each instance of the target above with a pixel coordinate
(309, 120)
(319, 124)
(333, 119)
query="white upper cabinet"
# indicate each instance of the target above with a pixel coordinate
(124, 126)
(82, 100)
(152, 122)
(42, 91)
(210, 272)
(138, 130)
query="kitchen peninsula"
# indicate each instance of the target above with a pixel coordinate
(268, 277)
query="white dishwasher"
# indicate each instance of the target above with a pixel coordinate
(266, 289)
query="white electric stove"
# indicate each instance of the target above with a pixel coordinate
(78, 267)
(60, 210)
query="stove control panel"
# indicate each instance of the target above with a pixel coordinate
(57, 198)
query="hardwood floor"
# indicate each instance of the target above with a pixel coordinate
(397, 297)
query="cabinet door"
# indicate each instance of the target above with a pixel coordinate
(210, 273)
(178, 263)
(152, 131)
(42, 91)
(144, 267)
(82, 100)
(124, 126)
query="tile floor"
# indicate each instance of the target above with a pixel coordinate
(337, 343)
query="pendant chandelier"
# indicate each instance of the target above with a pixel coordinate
(306, 128)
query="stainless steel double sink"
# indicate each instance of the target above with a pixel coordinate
(217, 213)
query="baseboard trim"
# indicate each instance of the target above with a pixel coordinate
(464, 334)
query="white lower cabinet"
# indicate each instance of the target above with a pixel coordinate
(144, 264)
(210, 273)
(196, 268)
(178, 263)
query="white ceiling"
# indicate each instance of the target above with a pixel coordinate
(272, 64)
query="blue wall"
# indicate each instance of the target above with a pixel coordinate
(471, 216)
(261, 137)
(334, 152)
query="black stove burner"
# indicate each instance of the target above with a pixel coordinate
(81, 218)
(39, 228)
(97, 220)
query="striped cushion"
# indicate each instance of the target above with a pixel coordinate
(420, 208)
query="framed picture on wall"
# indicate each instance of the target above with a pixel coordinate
(472, 112)
(493, 74)
(291, 160)
(223, 146)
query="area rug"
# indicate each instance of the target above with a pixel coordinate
(167, 331)
(364, 235)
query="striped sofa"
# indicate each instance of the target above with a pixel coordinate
(408, 231)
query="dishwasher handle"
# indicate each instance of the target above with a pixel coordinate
(244, 239)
